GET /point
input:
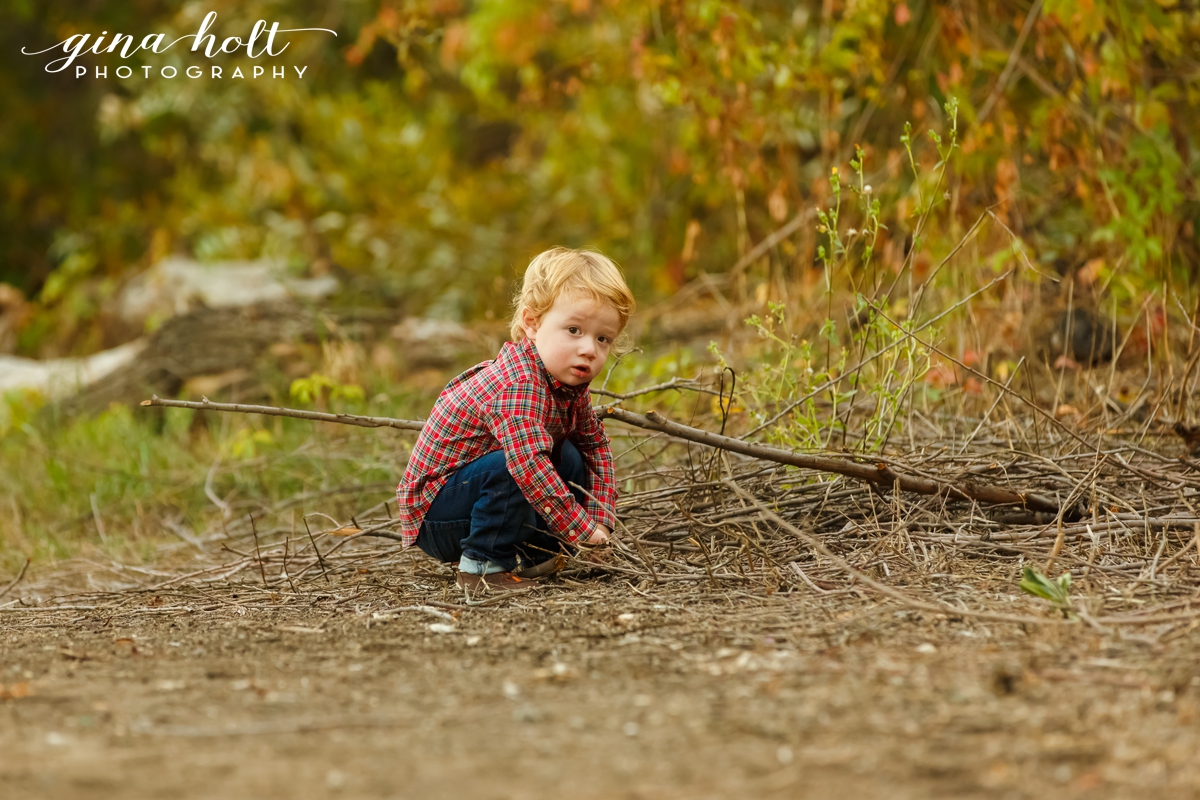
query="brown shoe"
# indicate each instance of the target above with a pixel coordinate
(495, 582)
(547, 567)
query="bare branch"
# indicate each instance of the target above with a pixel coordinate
(273, 411)
(16, 580)
(878, 474)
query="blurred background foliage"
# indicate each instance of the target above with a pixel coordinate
(432, 147)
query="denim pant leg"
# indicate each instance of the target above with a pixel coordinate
(481, 513)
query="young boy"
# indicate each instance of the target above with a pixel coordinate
(488, 481)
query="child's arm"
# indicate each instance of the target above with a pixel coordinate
(591, 440)
(514, 418)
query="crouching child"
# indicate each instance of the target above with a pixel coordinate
(489, 481)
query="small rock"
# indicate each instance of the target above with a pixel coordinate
(335, 780)
(527, 713)
(558, 671)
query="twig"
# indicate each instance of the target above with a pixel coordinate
(775, 238)
(99, 521)
(316, 550)
(1013, 58)
(16, 580)
(258, 552)
(1075, 493)
(987, 414)
(211, 493)
(674, 383)
(286, 546)
(1193, 542)
(1030, 403)
(796, 568)
(319, 416)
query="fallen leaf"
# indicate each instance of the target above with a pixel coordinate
(15, 691)
(125, 646)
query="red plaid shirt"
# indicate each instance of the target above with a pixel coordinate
(514, 404)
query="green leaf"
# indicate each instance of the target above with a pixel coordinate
(1037, 584)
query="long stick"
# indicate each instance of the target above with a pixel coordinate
(878, 474)
(319, 416)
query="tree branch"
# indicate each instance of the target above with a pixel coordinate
(273, 411)
(878, 474)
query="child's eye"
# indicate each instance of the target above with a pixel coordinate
(605, 340)
(573, 329)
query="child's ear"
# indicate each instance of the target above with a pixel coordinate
(529, 321)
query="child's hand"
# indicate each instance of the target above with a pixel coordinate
(599, 536)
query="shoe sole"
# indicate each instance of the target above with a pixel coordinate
(547, 567)
(479, 584)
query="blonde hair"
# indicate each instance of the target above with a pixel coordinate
(582, 272)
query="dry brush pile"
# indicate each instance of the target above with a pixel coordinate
(953, 526)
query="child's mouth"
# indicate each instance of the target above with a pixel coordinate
(579, 372)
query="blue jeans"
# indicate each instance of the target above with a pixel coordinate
(482, 514)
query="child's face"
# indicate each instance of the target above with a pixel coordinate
(573, 337)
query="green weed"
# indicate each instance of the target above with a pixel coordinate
(1057, 592)
(122, 480)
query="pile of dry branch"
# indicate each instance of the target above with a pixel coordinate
(947, 529)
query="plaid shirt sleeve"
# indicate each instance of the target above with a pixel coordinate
(593, 444)
(514, 418)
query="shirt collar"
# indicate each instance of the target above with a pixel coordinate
(529, 349)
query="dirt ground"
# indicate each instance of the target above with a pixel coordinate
(592, 689)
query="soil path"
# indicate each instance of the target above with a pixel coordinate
(597, 690)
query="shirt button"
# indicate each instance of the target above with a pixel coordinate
(547, 509)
